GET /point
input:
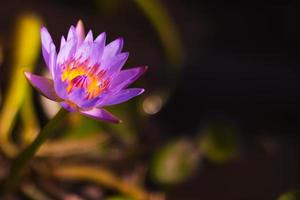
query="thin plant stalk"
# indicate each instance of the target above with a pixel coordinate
(26, 35)
(24, 157)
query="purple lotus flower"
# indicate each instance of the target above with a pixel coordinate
(86, 74)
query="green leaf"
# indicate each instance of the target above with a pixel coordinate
(26, 51)
(175, 162)
(218, 141)
(81, 126)
(292, 195)
(165, 27)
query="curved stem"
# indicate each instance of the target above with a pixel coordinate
(24, 157)
(103, 177)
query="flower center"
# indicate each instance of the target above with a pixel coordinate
(80, 75)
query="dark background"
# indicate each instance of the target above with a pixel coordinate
(241, 64)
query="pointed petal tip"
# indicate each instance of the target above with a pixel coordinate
(142, 91)
(27, 74)
(103, 34)
(101, 115)
(89, 37)
(126, 77)
(120, 39)
(71, 31)
(72, 27)
(101, 38)
(143, 69)
(111, 118)
(79, 23)
(43, 28)
(121, 43)
(116, 121)
(80, 31)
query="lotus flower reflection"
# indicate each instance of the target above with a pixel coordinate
(86, 74)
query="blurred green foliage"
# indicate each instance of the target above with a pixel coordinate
(26, 50)
(218, 141)
(174, 162)
(80, 126)
(292, 195)
(165, 27)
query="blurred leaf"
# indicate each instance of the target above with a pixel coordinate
(72, 147)
(127, 130)
(124, 131)
(118, 198)
(219, 142)
(167, 31)
(109, 7)
(1, 60)
(175, 162)
(101, 176)
(81, 127)
(27, 42)
(292, 195)
(30, 122)
(26, 51)
(165, 27)
(33, 192)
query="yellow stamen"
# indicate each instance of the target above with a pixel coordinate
(95, 82)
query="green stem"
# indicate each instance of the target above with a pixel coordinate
(24, 157)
